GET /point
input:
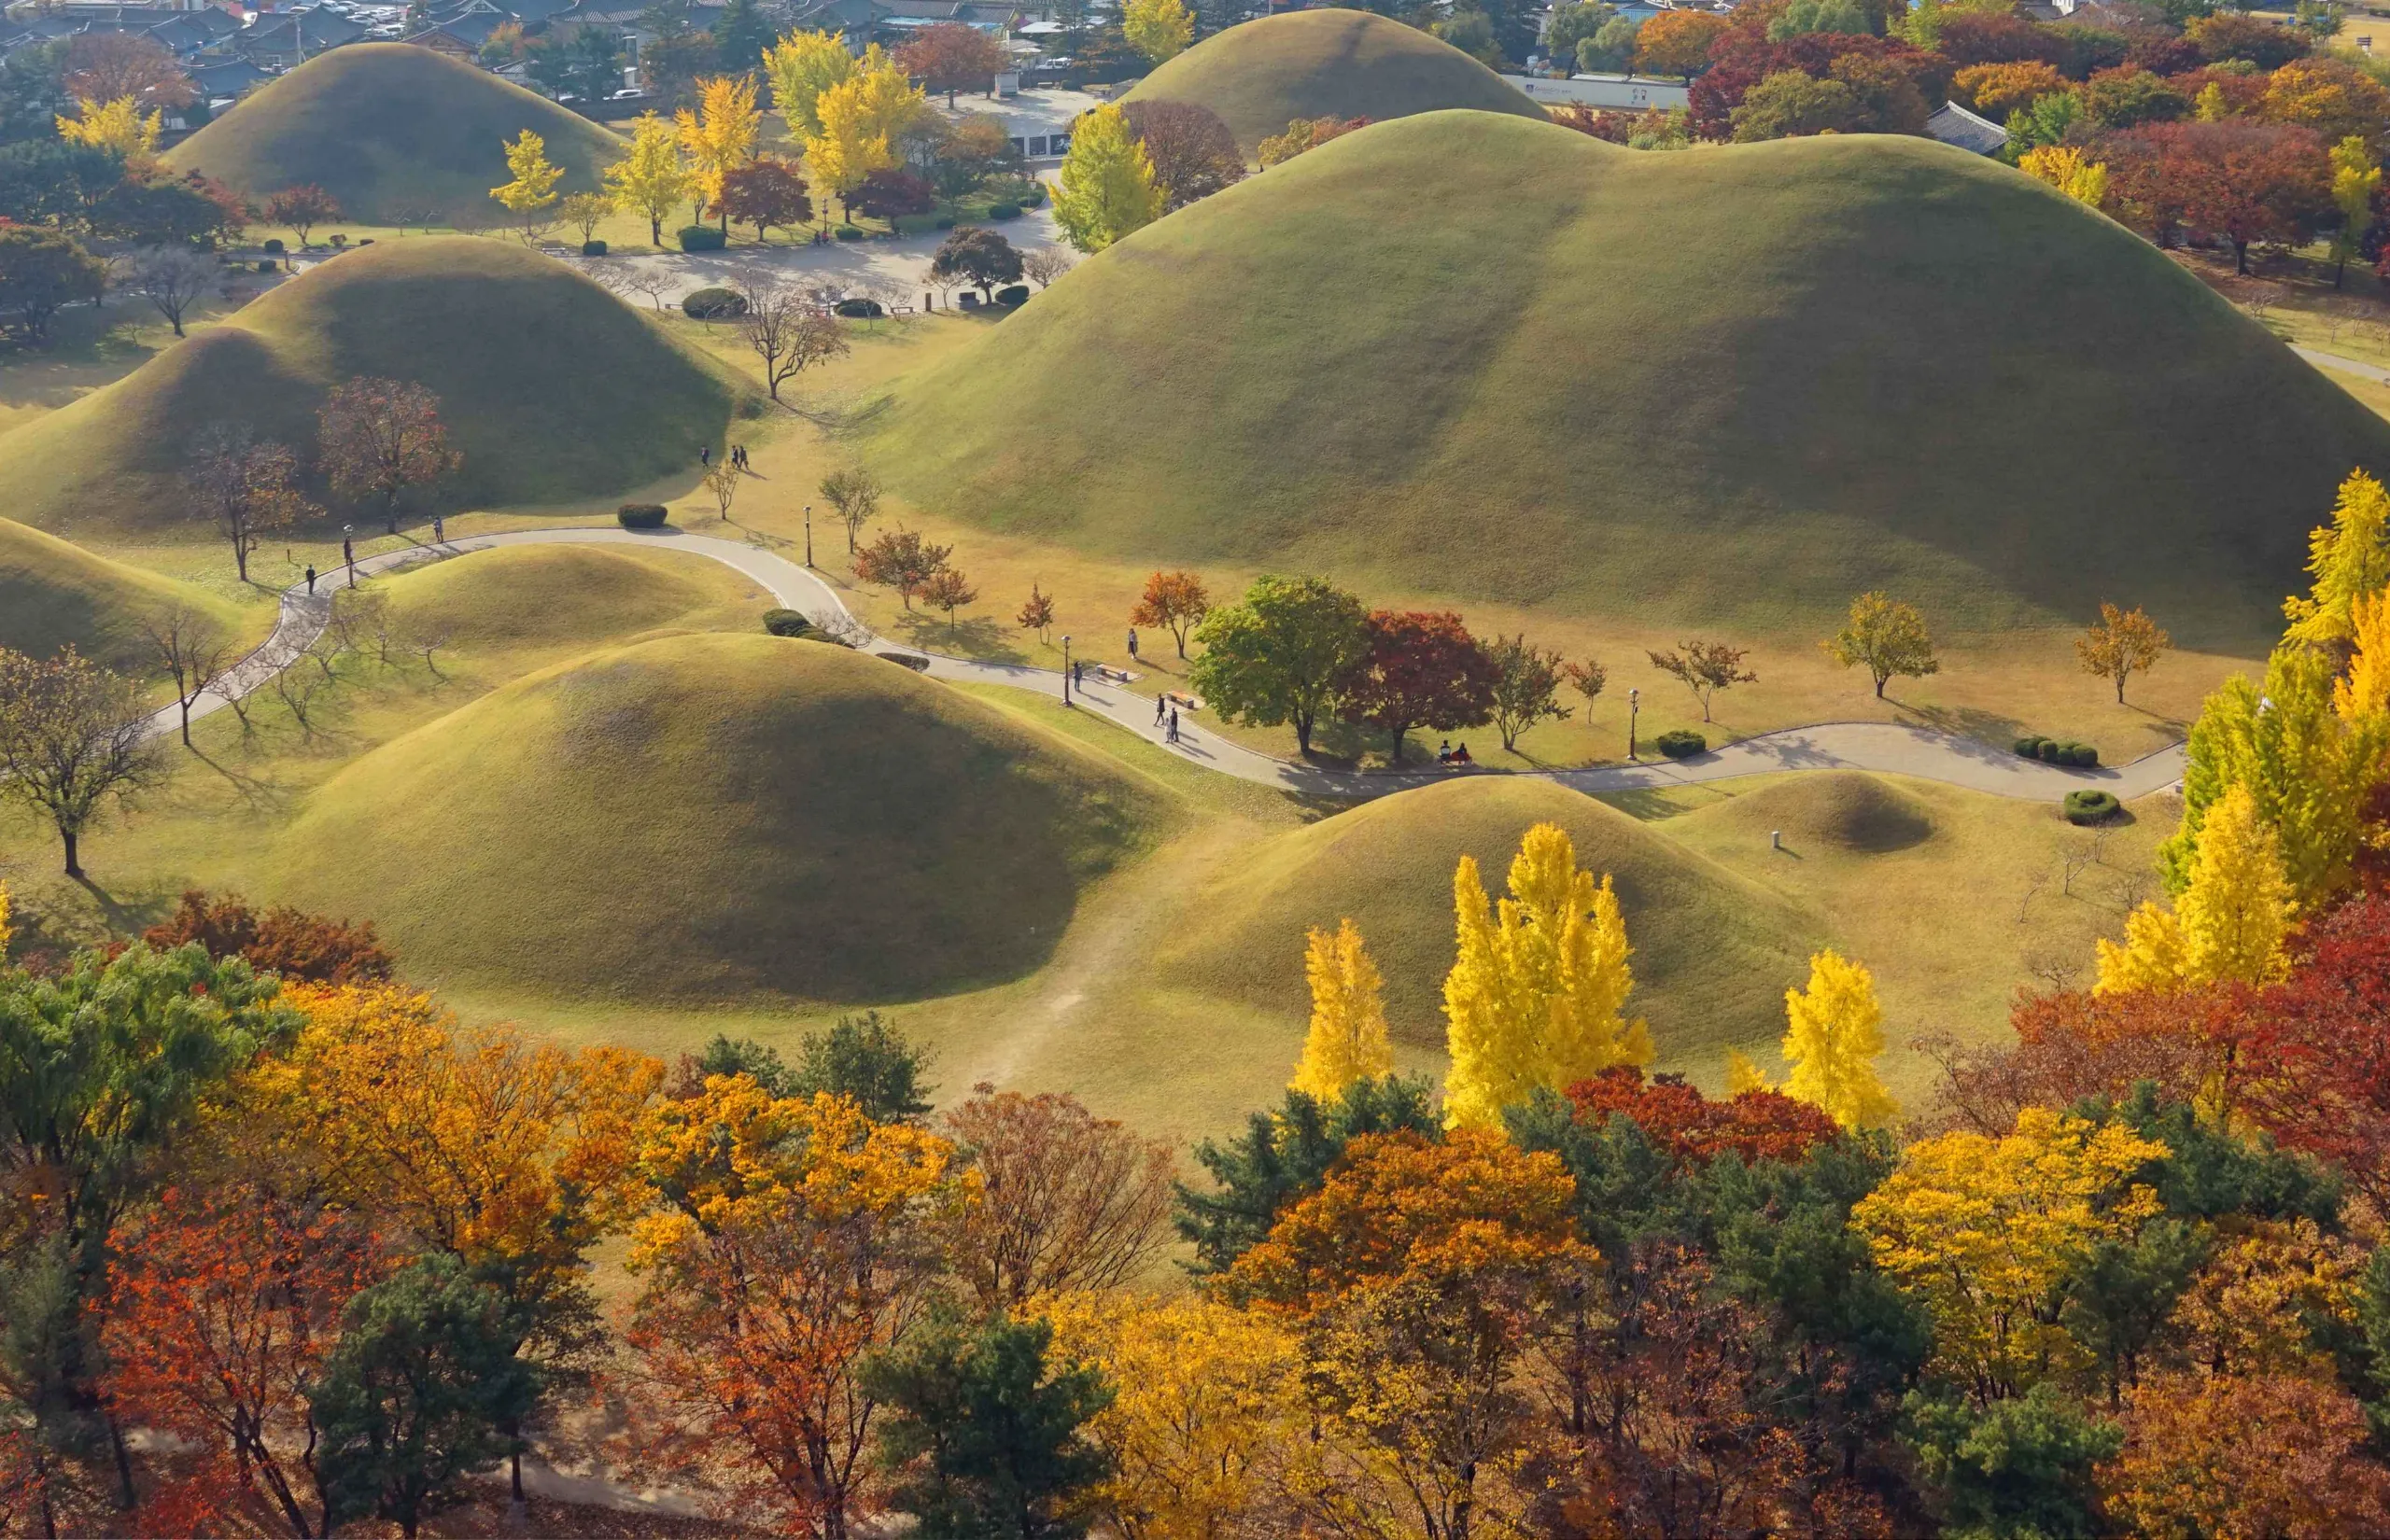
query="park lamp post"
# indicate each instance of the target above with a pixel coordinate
(1634, 704)
(809, 536)
(348, 552)
(1067, 670)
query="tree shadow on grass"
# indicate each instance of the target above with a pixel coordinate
(1648, 805)
(1994, 729)
(981, 637)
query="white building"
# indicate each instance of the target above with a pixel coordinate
(1612, 92)
(1038, 120)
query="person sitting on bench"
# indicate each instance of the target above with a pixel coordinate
(1460, 755)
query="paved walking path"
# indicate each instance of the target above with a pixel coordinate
(2375, 372)
(1831, 745)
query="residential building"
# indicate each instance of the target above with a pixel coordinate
(1606, 92)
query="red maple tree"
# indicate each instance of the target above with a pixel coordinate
(1422, 669)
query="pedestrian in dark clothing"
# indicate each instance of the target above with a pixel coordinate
(311, 587)
(1174, 727)
(705, 456)
(1132, 644)
(1161, 705)
(439, 529)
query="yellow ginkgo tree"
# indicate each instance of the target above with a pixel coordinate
(116, 124)
(650, 178)
(1832, 1038)
(1536, 994)
(532, 193)
(2230, 923)
(1347, 1041)
(719, 135)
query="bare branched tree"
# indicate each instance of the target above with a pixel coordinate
(173, 279)
(787, 333)
(73, 740)
(195, 654)
(1047, 263)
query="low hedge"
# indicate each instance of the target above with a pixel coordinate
(702, 238)
(640, 515)
(2074, 756)
(275, 247)
(269, 265)
(1004, 211)
(859, 310)
(592, 248)
(944, 221)
(2090, 806)
(849, 233)
(1680, 743)
(786, 622)
(714, 304)
(1013, 294)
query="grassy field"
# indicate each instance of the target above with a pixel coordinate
(1729, 388)
(397, 133)
(53, 594)
(550, 387)
(1325, 63)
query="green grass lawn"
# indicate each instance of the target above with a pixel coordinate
(1325, 63)
(1729, 389)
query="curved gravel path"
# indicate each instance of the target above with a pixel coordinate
(1882, 747)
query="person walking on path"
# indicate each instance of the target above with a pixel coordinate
(439, 529)
(1161, 705)
(311, 588)
(705, 456)
(1173, 728)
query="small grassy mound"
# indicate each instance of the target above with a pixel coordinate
(1325, 63)
(1849, 812)
(1713, 953)
(523, 595)
(551, 387)
(398, 133)
(55, 595)
(717, 818)
(1478, 355)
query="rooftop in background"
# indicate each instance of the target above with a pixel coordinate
(1037, 119)
(1955, 125)
(1616, 92)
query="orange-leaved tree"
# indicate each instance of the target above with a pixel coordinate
(790, 1238)
(378, 438)
(1176, 602)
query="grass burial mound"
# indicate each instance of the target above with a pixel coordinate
(54, 595)
(1833, 813)
(542, 594)
(1481, 356)
(717, 818)
(553, 388)
(1713, 952)
(1262, 74)
(398, 133)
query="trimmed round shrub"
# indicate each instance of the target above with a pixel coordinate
(640, 515)
(367, 241)
(944, 221)
(1680, 743)
(702, 238)
(859, 310)
(2049, 750)
(2081, 756)
(786, 622)
(849, 232)
(1013, 294)
(1004, 211)
(2087, 806)
(276, 246)
(714, 304)
(592, 248)
(2030, 747)
(269, 265)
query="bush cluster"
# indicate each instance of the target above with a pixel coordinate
(702, 238)
(714, 304)
(640, 515)
(1013, 294)
(859, 310)
(592, 248)
(1680, 743)
(2091, 806)
(1004, 211)
(2078, 756)
(849, 232)
(787, 622)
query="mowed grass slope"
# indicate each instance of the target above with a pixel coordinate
(56, 595)
(398, 133)
(1261, 74)
(1480, 356)
(523, 595)
(715, 819)
(1713, 951)
(551, 387)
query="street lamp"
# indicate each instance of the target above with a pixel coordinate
(1634, 704)
(808, 536)
(348, 552)
(1067, 670)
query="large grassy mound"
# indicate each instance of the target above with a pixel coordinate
(398, 133)
(525, 595)
(1713, 952)
(714, 819)
(1325, 63)
(553, 388)
(1484, 356)
(56, 595)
